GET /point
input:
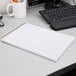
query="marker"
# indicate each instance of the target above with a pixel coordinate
(16, 1)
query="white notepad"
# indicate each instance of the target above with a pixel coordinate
(40, 41)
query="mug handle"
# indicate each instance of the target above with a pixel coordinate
(10, 14)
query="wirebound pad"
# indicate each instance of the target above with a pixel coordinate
(38, 40)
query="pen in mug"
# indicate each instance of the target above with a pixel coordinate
(16, 1)
(20, 0)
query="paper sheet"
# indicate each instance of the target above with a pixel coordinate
(38, 40)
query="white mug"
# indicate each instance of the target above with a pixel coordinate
(19, 9)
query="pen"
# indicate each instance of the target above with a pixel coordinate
(20, 0)
(1, 23)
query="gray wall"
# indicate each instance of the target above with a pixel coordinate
(3, 5)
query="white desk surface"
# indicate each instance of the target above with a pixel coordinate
(17, 62)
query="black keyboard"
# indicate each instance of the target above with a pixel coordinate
(60, 18)
(66, 71)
